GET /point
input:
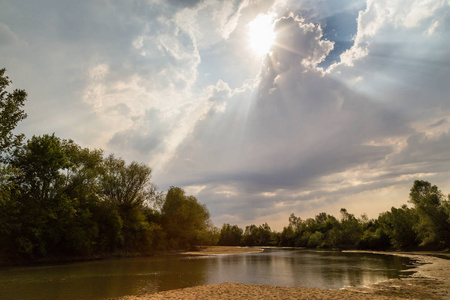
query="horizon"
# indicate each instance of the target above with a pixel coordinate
(259, 109)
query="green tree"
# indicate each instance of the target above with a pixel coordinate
(374, 237)
(399, 224)
(295, 222)
(259, 236)
(351, 229)
(11, 113)
(315, 239)
(130, 189)
(251, 235)
(55, 195)
(344, 234)
(184, 219)
(8, 175)
(230, 235)
(287, 237)
(40, 162)
(433, 226)
(291, 235)
(127, 186)
(210, 236)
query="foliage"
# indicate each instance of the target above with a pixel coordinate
(11, 113)
(7, 181)
(128, 187)
(433, 226)
(425, 224)
(230, 235)
(259, 236)
(398, 225)
(184, 220)
(59, 205)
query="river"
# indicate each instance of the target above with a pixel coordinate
(128, 276)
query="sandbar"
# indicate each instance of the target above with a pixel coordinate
(223, 250)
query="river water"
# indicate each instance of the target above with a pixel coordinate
(127, 276)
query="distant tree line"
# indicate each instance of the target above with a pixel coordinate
(59, 200)
(426, 224)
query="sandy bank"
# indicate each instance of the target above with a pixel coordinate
(431, 281)
(222, 250)
(230, 291)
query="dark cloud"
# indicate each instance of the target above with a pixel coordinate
(185, 3)
(439, 123)
(425, 153)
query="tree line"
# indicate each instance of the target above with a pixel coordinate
(426, 224)
(60, 200)
(65, 200)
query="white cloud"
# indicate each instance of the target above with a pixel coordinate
(386, 19)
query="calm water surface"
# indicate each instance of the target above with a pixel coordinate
(114, 278)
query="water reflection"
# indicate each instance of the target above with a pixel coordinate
(113, 278)
(321, 269)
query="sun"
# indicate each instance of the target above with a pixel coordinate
(261, 34)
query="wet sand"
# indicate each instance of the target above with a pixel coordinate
(431, 281)
(223, 250)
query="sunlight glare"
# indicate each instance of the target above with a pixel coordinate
(261, 34)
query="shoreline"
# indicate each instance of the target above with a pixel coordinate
(222, 250)
(430, 280)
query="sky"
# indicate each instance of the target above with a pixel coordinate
(259, 108)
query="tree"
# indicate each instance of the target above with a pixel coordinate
(11, 113)
(230, 235)
(184, 219)
(7, 181)
(287, 237)
(42, 162)
(54, 198)
(35, 200)
(130, 189)
(347, 233)
(295, 222)
(374, 237)
(399, 224)
(259, 236)
(57, 207)
(433, 226)
(127, 186)
(315, 239)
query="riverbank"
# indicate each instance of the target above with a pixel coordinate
(431, 280)
(222, 250)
